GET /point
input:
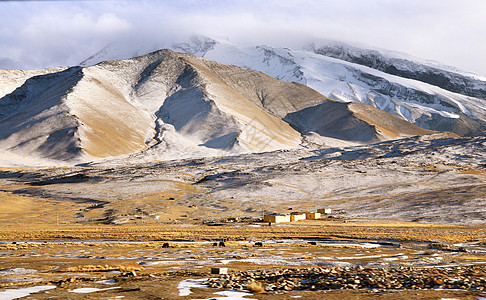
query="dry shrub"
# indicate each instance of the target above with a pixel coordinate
(438, 246)
(255, 287)
(130, 268)
(472, 257)
(9, 247)
(90, 268)
(105, 268)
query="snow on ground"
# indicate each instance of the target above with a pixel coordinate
(397, 179)
(10, 159)
(90, 290)
(232, 295)
(8, 294)
(185, 286)
(16, 271)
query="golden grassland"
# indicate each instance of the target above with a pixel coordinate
(472, 171)
(396, 231)
(78, 256)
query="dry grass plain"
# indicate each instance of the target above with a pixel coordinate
(131, 260)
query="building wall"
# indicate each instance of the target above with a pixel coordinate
(277, 218)
(312, 216)
(324, 211)
(297, 217)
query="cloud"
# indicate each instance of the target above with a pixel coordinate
(53, 36)
(39, 34)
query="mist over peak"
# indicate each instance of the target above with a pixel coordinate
(64, 33)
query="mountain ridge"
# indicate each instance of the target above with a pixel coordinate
(423, 104)
(168, 105)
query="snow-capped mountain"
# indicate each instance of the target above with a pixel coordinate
(169, 105)
(424, 93)
(399, 64)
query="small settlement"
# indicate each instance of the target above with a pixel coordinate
(296, 216)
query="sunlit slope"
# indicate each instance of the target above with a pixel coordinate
(309, 111)
(109, 123)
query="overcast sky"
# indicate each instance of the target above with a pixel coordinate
(38, 34)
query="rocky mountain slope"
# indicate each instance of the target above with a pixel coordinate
(426, 94)
(168, 105)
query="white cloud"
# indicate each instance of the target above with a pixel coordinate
(38, 34)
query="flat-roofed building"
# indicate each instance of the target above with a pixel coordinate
(326, 211)
(297, 217)
(312, 215)
(277, 218)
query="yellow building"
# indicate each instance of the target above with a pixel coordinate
(297, 217)
(326, 211)
(277, 218)
(312, 216)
